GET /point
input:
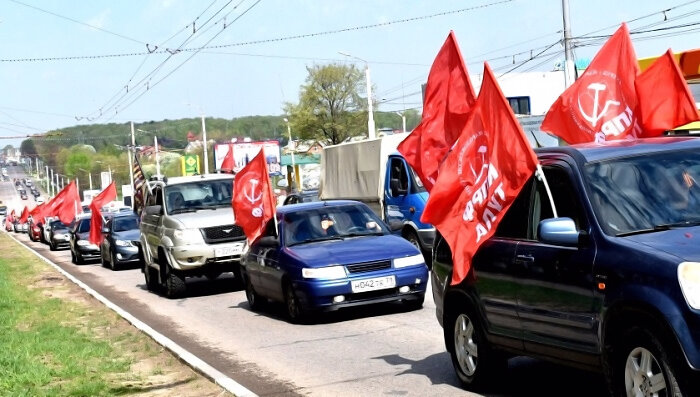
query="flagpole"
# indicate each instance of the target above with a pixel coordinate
(543, 179)
(131, 165)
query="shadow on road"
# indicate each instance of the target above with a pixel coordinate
(524, 377)
(202, 286)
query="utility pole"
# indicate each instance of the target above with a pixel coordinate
(568, 51)
(155, 140)
(48, 189)
(131, 165)
(204, 138)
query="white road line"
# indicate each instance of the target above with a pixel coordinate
(190, 359)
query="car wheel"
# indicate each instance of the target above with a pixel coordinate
(103, 262)
(174, 284)
(79, 259)
(295, 312)
(474, 361)
(52, 247)
(113, 264)
(644, 367)
(151, 276)
(255, 301)
(72, 257)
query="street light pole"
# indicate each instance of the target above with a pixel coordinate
(371, 129)
(403, 120)
(291, 150)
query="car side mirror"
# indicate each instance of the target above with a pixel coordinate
(396, 189)
(153, 210)
(269, 242)
(558, 231)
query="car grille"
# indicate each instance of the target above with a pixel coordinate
(222, 234)
(368, 266)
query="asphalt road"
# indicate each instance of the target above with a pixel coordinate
(381, 350)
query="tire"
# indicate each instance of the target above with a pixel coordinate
(174, 284)
(475, 363)
(415, 304)
(103, 262)
(72, 257)
(79, 260)
(412, 238)
(52, 247)
(113, 264)
(643, 363)
(151, 276)
(295, 312)
(255, 301)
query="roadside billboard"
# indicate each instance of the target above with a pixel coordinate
(243, 152)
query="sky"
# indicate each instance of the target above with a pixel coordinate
(75, 62)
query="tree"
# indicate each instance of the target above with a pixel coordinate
(330, 107)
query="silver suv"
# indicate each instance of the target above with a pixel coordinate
(187, 229)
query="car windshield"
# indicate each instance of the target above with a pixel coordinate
(331, 223)
(646, 193)
(84, 226)
(58, 225)
(417, 182)
(123, 224)
(199, 195)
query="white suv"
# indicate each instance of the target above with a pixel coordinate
(188, 229)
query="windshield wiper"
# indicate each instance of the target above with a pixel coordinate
(661, 227)
(364, 234)
(316, 240)
(182, 210)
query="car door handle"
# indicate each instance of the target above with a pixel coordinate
(524, 259)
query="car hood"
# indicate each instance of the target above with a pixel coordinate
(352, 250)
(128, 235)
(204, 218)
(682, 242)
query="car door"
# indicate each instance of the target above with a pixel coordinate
(150, 223)
(396, 208)
(270, 270)
(105, 247)
(555, 298)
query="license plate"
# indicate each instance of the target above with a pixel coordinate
(234, 249)
(373, 284)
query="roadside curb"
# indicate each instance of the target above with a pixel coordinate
(188, 358)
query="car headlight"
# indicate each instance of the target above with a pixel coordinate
(689, 279)
(413, 260)
(188, 236)
(328, 272)
(58, 235)
(123, 243)
(83, 243)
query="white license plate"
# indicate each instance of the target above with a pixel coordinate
(373, 284)
(234, 249)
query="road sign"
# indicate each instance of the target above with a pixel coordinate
(190, 164)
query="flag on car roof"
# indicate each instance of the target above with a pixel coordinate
(253, 202)
(602, 104)
(665, 100)
(227, 164)
(139, 182)
(104, 197)
(24, 216)
(481, 176)
(69, 206)
(449, 98)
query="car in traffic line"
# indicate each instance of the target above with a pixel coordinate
(57, 235)
(612, 284)
(188, 230)
(328, 255)
(81, 249)
(34, 229)
(303, 196)
(119, 246)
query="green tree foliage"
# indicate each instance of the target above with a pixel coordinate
(393, 119)
(330, 107)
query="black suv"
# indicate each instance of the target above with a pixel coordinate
(612, 284)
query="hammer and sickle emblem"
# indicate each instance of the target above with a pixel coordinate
(595, 117)
(250, 195)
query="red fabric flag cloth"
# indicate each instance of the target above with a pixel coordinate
(449, 97)
(104, 197)
(253, 202)
(69, 205)
(24, 216)
(37, 213)
(227, 165)
(665, 100)
(9, 220)
(602, 104)
(481, 176)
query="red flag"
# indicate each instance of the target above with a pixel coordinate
(227, 165)
(104, 197)
(602, 103)
(9, 220)
(37, 213)
(24, 216)
(253, 202)
(449, 97)
(665, 100)
(69, 205)
(481, 176)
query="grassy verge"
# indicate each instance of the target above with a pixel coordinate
(57, 340)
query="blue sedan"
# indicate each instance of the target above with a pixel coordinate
(327, 255)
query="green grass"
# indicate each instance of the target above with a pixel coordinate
(47, 345)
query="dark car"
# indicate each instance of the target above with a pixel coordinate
(328, 255)
(58, 235)
(81, 249)
(611, 285)
(305, 196)
(120, 245)
(3, 210)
